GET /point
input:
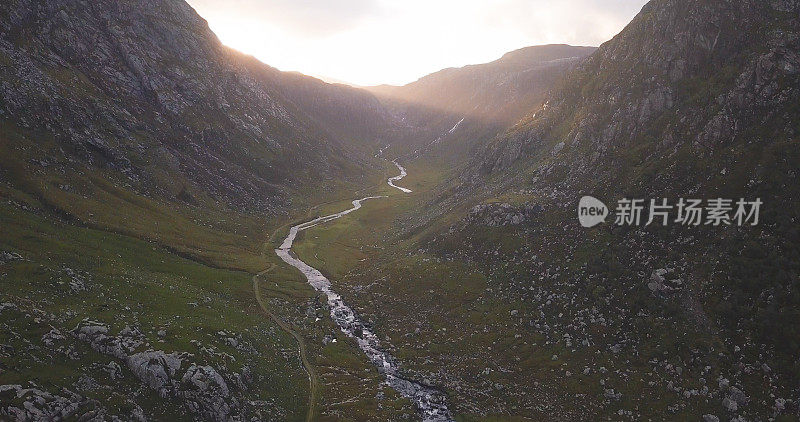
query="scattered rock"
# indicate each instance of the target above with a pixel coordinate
(662, 282)
(730, 405)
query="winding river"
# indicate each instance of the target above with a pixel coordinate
(398, 177)
(430, 402)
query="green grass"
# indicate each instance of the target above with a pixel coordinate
(155, 262)
(137, 283)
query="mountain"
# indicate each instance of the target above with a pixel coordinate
(350, 115)
(142, 166)
(143, 96)
(461, 108)
(705, 81)
(519, 312)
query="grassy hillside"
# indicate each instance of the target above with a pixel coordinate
(57, 275)
(182, 285)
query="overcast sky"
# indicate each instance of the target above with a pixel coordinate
(370, 42)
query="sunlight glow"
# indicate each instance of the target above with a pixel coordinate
(369, 42)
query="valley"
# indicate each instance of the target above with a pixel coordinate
(190, 234)
(429, 402)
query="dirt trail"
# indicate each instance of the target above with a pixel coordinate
(312, 375)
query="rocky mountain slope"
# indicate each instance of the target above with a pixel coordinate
(109, 106)
(623, 322)
(352, 116)
(456, 109)
(704, 75)
(142, 166)
(146, 90)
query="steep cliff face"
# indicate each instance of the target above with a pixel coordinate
(700, 74)
(147, 90)
(456, 109)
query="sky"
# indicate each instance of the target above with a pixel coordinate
(372, 42)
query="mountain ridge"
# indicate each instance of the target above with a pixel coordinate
(456, 109)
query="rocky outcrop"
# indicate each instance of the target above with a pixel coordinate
(664, 281)
(205, 392)
(119, 346)
(35, 405)
(156, 369)
(201, 388)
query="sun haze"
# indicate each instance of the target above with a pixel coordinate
(370, 42)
